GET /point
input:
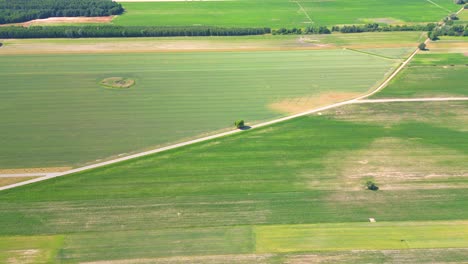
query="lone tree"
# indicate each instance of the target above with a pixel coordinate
(1, 44)
(422, 46)
(371, 186)
(239, 123)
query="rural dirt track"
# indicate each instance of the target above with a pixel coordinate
(316, 110)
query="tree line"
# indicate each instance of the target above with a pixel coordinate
(16, 11)
(353, 29)
(121, 31)
(448, 30)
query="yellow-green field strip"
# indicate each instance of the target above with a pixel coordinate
(361, 236)
(158, 150)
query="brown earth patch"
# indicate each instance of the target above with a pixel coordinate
(62, 20)
(251, 258)
(7, 181)
(34, 170)
(302, 104)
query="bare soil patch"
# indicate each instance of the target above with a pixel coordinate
(63, 20)
(302, 104)
(251, 258)
(34, 170)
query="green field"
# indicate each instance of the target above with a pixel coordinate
(430, 75)
(55, 113)
(276, 13)
(227, 198)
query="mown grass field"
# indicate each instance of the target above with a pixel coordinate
(430, 75)
(55, 113)
(290, 192)
(276, 13)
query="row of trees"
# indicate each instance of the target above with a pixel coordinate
(16, 11)
(448, 30)
(298, 31)
(120, 31)
(354, 29)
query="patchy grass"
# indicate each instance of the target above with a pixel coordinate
(30, 249)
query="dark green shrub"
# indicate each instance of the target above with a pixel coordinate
(371, 186)
(239, 123)
(422, 46)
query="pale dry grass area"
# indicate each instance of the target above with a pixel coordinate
(401, 164)
(34, 170)
(302, 104)
(447, 114)
(248, 258)
(4, 181)
(448, 46)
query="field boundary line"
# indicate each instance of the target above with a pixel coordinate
(372, 54)
(396, 100)
(303, 10)
(441, 7)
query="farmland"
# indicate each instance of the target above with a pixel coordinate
(230, 196)
(430, 75)
(57, 114)
(276, 14)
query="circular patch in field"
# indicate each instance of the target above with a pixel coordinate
(117, 82)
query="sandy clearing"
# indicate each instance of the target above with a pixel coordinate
(62, 20)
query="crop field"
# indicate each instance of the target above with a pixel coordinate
(55, 113)
(278, 13)
(397, 43)
(292, 192)
(431, 75)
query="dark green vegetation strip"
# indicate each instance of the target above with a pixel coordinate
(308, 170)
(110, 31)
(55, 113)
(14, 11)
(430, 75)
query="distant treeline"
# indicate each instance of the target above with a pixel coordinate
(110, 31)
(354, 29)
(16, 11)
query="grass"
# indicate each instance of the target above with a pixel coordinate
(276, 14)
(225, 194)
(55, 113)
(351, 236)
(29, 249)
(430, 75)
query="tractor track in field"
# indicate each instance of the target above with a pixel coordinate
(360, 99)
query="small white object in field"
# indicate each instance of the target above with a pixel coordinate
(178, 214)
(372, 220)
(319, 113)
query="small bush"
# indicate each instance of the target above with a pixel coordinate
(371, 186)
(422, 46)
(1, 44)
(239, 123)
